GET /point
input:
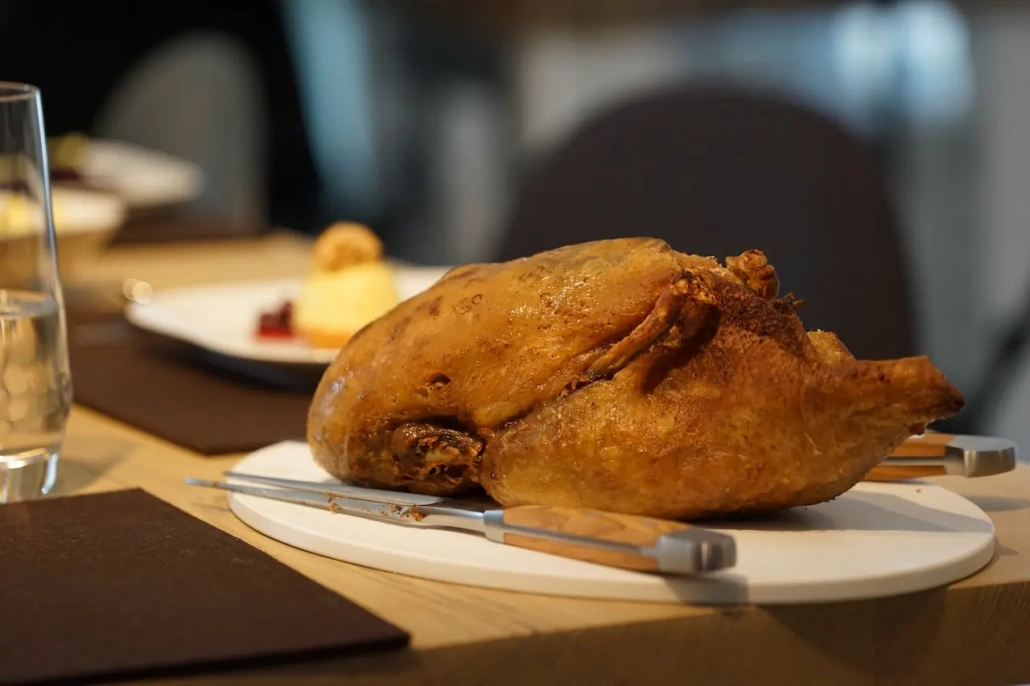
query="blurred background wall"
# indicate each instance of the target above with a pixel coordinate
(422, 118)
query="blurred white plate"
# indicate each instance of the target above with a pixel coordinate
(223, 318)
(141, 177)
(75, 211)
(84, 222)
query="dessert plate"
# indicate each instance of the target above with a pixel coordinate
(222, 319)
(876, 540)
(143, 178)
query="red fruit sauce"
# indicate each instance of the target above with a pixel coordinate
(276, 325)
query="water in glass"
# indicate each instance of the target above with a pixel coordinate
(35, 395)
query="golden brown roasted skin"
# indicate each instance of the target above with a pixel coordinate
(618, 375)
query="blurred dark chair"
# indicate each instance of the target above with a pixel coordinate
(213, 82)
(715, 172)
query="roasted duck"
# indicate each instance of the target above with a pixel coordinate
(620, 375)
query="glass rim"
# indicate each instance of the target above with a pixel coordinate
(13, 91)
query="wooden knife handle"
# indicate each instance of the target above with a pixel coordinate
(888, 472)
(930, 445)
(645, 532)
(927, 445)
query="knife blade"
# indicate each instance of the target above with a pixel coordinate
(358, 492)
(939, 454)
(626, 541)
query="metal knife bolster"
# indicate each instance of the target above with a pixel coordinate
(683, 552)
(964, 455)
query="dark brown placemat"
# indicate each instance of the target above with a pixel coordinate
(170, 391)
(171, 227)
(123, 585)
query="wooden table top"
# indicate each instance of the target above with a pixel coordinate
(975, 632)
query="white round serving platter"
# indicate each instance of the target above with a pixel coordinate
(879, 539)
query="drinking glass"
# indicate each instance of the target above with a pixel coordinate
(35, 383)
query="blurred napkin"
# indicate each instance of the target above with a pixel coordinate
(167, 390)
(123, 585)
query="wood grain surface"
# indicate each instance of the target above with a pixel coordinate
(927, 445)
(976, 631)
(890, 472)
(617, 528)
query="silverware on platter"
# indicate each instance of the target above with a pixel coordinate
(617, 540)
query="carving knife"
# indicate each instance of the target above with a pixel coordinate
(939, 454)
(629, 542)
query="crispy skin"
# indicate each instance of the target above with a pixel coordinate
(618, 375)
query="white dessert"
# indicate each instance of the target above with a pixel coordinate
(348, 287)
